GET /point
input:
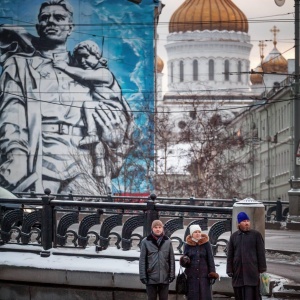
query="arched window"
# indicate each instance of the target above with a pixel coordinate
(211, 70)
(239, 71)
(172, 72)
(226, 70)
(195, 70)
(181, 71)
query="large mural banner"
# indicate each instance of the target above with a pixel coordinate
(76, 95)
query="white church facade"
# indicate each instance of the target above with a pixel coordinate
(208, 68)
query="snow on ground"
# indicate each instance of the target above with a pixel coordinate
(284, 258)
(111, 260)
(80, 259)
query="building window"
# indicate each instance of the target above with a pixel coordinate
(285, 116)
(226, 70)
(279, 120)
(277, 124)
(181, 71)
(195, 70)
(193, 114)
(172, 72)
(211, 70)
(239, 71)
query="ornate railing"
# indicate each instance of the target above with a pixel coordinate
(76, 224)
(78, 221)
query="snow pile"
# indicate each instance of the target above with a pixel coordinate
(284, 258)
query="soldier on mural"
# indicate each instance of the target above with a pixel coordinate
(41, 120)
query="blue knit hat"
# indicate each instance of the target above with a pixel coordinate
(242, 216)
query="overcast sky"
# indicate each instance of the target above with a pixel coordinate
(262, 16)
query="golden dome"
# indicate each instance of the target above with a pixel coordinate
(201, 15)
(257, 78)
(275, 62)
(159, 64)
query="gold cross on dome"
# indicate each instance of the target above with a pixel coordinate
(261, 46)
(274, 30)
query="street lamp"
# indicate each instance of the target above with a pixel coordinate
(294, 193)
(279, 2)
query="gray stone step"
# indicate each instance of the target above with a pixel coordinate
(295, 287)
(287, 294)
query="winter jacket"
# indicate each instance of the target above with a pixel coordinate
(246, 258)
(157, 263)
(200, 265)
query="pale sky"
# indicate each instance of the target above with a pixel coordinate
(262, 16)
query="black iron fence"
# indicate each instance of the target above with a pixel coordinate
(78, 221)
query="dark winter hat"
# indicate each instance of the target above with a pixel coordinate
(242, 216)
(157, 223)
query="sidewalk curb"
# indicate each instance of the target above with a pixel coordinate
(285, 252)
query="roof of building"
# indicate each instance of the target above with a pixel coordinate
(256, 77)
(159, 64)
(211, 15)
(275, 62)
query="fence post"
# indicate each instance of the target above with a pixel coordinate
(109, 198)
(151, 215)
(71, 195)
(192, 200)
(32, 194)
(47, 221)
(278, 210)
(234, 200)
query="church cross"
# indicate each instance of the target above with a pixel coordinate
(274, 30)
(261, 46)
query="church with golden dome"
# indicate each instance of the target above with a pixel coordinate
(208, 49)
(208, 41)
(272, 70)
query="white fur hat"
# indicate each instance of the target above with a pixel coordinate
(194, 228)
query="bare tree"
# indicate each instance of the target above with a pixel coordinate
(136, 174)
(211, 168)
(169, 158)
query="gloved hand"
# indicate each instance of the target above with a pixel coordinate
(144, 281)
(171, 279)
(213, 275)
(184, 261)
(230, 274)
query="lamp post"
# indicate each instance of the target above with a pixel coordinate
(294, 192)
(296, 101)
